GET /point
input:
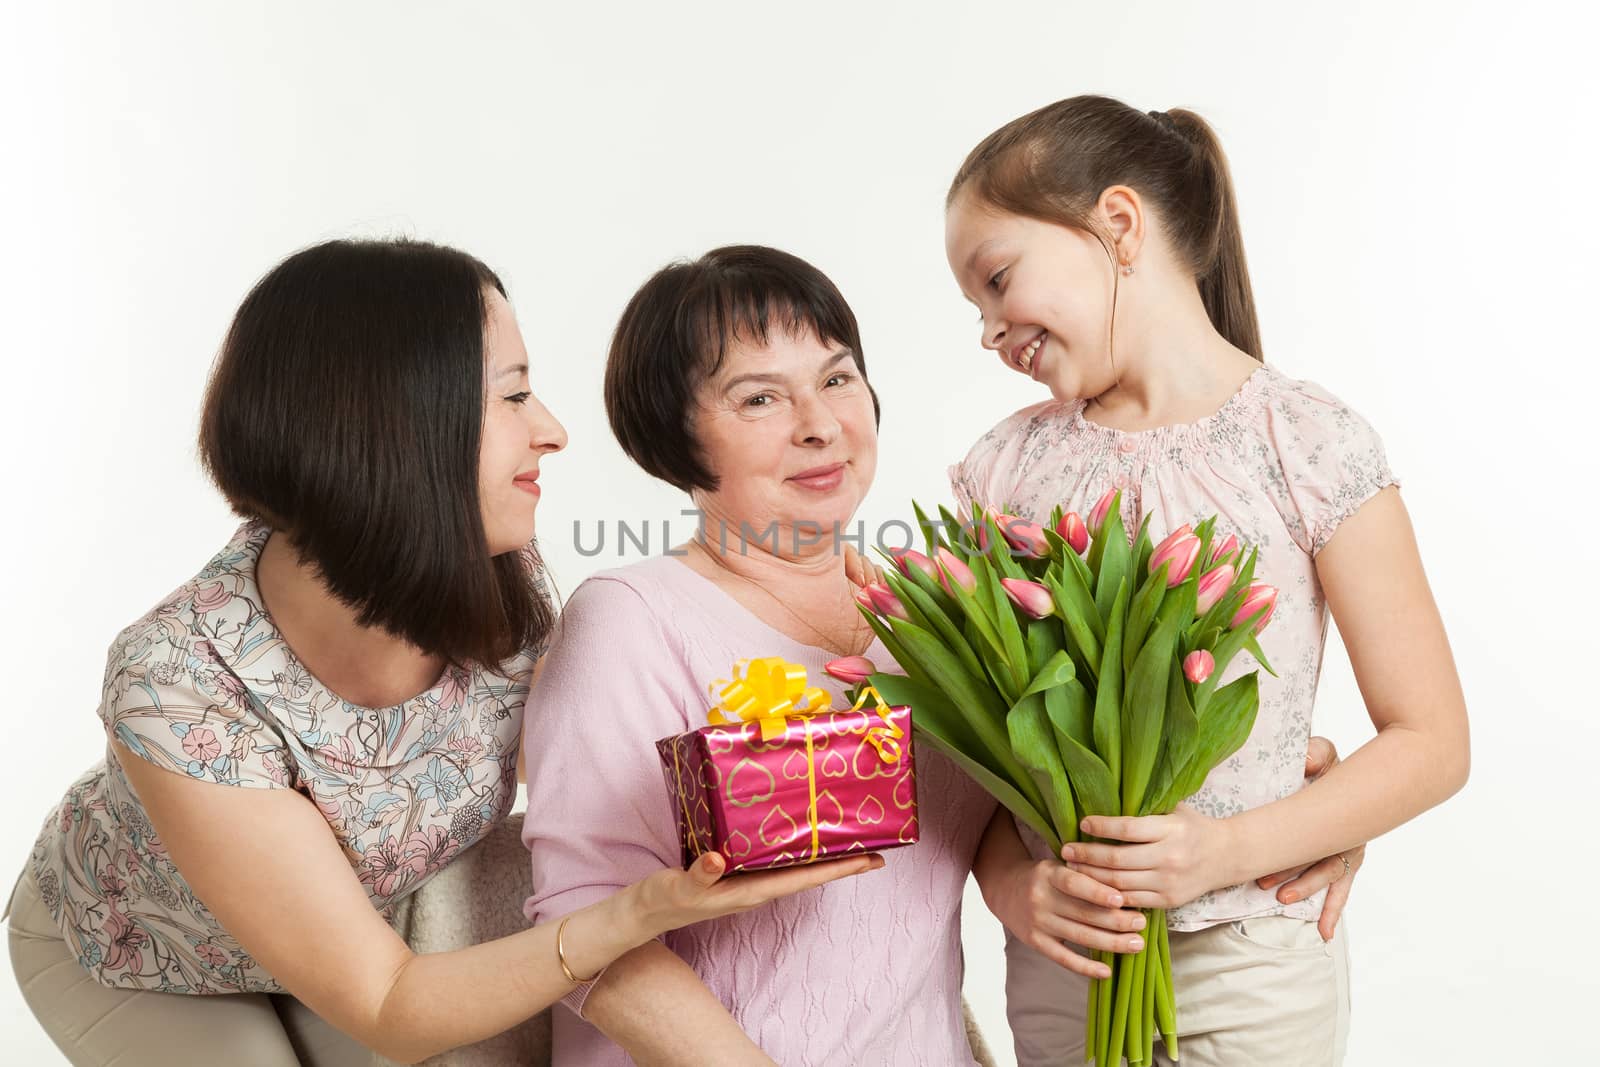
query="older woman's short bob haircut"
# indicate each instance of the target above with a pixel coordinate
(345, 410)
(675, 333)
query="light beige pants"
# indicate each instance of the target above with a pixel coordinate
(95, 1025)
(1264, 992)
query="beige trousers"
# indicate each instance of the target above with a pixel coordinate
(1265, 992)
(96, 1025)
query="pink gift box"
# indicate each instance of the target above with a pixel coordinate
(751, 799)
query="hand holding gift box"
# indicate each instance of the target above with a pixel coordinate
(780, 778)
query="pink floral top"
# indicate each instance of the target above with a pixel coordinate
(1281, 464)
(204, 685)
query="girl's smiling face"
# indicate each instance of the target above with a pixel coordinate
(1044, 292)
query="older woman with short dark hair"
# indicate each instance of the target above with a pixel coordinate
(739, 378)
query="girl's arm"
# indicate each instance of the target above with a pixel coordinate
(1336, 873)
(1372, 575)
(267, 866)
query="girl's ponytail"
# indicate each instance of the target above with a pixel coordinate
(1224, 279)
(1054, 163)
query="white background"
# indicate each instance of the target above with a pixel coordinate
(1418, 197)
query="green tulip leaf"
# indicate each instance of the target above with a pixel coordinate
(1108, 694)
(1033, 742)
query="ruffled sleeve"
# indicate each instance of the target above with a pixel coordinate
(1330, 459)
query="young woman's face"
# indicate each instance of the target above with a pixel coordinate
(787, 427)
(1044, 292)
(517, 433)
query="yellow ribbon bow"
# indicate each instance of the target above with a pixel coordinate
(770, 691)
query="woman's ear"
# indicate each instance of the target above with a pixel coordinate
(1121, 211)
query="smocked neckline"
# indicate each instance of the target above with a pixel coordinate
(1220, 425)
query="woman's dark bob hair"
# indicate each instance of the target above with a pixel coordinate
(675, 333)
(345, 410)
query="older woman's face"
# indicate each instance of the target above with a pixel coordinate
(788, 429)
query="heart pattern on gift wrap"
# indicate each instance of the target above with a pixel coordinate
(905, 792)
(724, 740)
(833, 765)
(830, 813)
(737, 846)
(870, 811)
(692, 812)
(778, 828)
(797, 768)
(749, 783)
(908, 832)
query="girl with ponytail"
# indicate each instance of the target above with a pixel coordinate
(1102, 247)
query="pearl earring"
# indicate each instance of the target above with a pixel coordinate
(1127, 268)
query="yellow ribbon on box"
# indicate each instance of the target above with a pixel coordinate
(770, 692)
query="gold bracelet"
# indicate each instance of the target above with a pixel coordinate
(561, 956)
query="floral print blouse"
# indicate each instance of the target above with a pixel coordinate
(1281, 464)
(204, 685)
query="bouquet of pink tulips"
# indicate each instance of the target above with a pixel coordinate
(1073, 670)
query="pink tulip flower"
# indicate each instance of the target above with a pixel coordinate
(851, 670)
(884, 602)
(1259, 596)
(1024, 536)
(1098, 515)
(1179, 551)
(1212, 587)
(1198, 665)
(908, 558)
(1032, 598)
(950, 566)
(1073, 532)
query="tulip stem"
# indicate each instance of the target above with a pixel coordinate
(1165, 1012)
(1119, 1014)
(1107, 999)
(1135, 1045)
(1090, 1043)
(1152, 979)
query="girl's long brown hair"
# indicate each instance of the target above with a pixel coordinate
(1054, 163)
